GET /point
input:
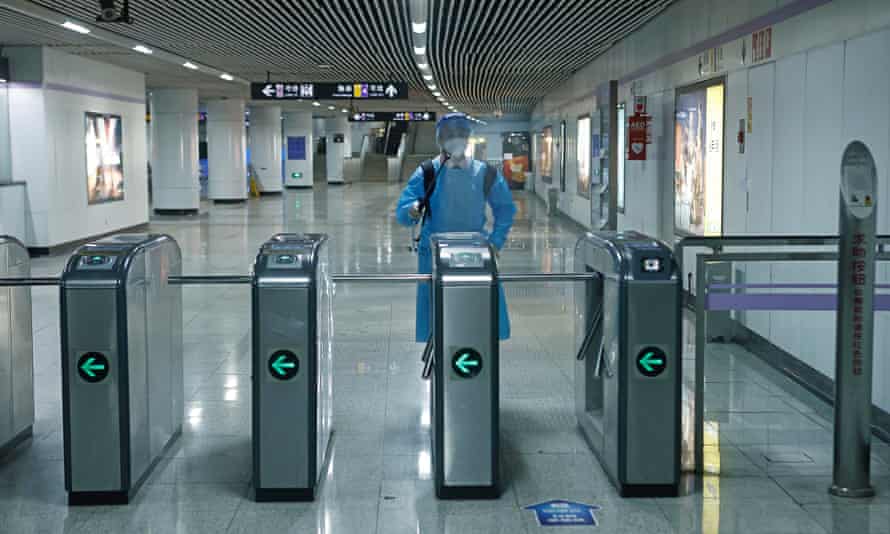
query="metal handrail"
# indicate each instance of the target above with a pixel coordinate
(30, 281)
(210, 279)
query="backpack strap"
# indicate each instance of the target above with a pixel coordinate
(491, 175)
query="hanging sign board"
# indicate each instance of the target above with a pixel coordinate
(397, 116)
(328, 90)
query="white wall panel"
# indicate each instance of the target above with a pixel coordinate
(761, 86)
(787, 183)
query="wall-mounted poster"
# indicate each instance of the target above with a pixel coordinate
(547, 155)
(698, 160)
(517, 146)
(562, 156)
(104, 156)
(584, 155)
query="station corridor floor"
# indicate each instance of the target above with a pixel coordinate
(769, 443)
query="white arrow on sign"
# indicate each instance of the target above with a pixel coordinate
(269, 90)
(391, 91)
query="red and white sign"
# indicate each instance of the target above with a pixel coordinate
(762, 45)
(637, 137)
(640, 105)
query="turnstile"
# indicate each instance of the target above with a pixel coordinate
(292, 330)
(628, 374)
(122, 375)
(16, 348)
(465, 367)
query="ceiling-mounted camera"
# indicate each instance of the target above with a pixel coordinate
(108, 12)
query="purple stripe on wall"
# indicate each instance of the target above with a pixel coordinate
(783, 286)
(91, 92)
(782, 302)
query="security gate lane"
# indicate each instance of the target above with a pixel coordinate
(465, 406)
(122, 370)
(628, 373)
(292, 327)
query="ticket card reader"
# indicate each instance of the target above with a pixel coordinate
(465, 364)
(292, 330)
(122, 371)
(628, 371)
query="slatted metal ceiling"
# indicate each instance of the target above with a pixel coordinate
(506, 55)
(486, 56)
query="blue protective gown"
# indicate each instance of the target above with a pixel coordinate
(457, 205)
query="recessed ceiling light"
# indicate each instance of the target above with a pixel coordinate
(423, 66)
(2, 80)
(226, 77)
(445, 103)
(427, 77)
(344, 110)
(316, 104)
(418, 27)
(331, 108)
(437, 93)
(325, 66)
(190, 65)
(420, 50)
(143, 49)
(75, 27)
(432, 87)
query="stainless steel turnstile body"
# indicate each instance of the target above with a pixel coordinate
(16, 348)
(465, 405)
(292, 329)
(122, 375)
(628, 374)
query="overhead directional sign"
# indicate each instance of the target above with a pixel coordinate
(467, 363)
(651, 361)
(328, 90)
(93, 367)
(558, 513)
(398, 116)
(284, 365)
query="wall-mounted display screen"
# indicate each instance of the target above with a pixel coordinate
(698, 160)
(584, 155)
(104, 157)
(546, 156)
(562, 156)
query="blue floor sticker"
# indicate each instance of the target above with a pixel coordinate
(559, 513)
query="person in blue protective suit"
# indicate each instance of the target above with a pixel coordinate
(460, 188)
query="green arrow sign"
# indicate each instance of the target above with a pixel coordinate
(284, 365)
(92, 367)
(651, 361)
(467, 363)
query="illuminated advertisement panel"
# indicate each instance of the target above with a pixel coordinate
(547, 155)
(698, 160)
(104, 158)
(584, 155)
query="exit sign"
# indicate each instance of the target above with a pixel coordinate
(296, 175)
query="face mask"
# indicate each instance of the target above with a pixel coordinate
(456, 147)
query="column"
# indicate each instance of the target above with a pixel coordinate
(265, 147)
(226, 151)
(174, 163)
(298, 143)
(336, 130)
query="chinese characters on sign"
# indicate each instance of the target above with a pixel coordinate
(859, 280)
(328, 91)
(762, 45)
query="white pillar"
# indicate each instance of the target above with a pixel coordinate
(226, 151)
(336, 129)
(174, 166)
(265, 146)
(298, 141)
